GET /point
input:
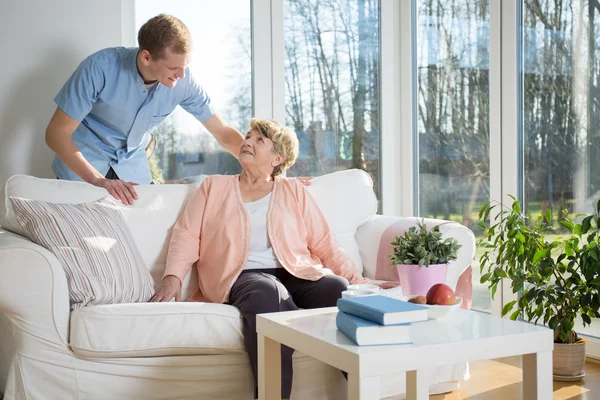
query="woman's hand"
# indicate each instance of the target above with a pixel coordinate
(388, 284)
(170, 287)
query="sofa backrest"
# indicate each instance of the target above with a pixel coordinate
(346, 199)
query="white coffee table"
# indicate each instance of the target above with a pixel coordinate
(460, 337)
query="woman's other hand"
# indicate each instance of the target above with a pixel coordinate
(170, 287)
(388, 284)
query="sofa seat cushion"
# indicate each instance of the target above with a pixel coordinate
(156, 329)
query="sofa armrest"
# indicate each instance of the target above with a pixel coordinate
(34, 295)
(375, 235)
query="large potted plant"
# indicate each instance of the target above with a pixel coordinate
(557, 275)
(421, 257)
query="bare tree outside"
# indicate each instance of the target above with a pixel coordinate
(453, 108)
(332, 93)
(561, 104)
(561, 110)
(332, 84)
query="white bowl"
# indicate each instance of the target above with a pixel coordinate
(357, 293)
(436, 312)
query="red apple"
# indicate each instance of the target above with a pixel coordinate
(441, 294)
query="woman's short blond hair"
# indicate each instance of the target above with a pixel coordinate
(285, 141)
(164, 31)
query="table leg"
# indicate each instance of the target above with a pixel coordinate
(537, 376)
(366, 388)
(269, 369)
(417, 385)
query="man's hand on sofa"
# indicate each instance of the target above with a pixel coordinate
(120, 190)
(169, 288)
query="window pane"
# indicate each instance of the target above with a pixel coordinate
(561, 108)
(221, 63)
(453, 115)
(332, 84)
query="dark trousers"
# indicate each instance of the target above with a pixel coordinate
(271, 290)
(111, 174)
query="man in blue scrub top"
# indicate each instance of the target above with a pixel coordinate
(99, 130)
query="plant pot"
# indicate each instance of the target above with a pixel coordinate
(416, 280)
(568, 360)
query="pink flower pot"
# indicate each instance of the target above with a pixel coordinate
(416, 280)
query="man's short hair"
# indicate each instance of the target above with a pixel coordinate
(164, 31)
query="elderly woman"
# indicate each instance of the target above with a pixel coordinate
(260, 240)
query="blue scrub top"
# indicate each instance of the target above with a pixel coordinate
(107, 95)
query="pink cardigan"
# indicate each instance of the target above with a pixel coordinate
(214, 231)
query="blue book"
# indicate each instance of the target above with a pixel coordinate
(383, 310)
(365, 333)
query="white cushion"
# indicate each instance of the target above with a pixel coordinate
(156, 329)
(150, 219)
(347, 201)
(93, 244)
(370, 234)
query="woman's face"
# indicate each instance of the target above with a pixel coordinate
(257, 151)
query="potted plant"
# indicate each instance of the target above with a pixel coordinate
(558, 277)
(421, 257)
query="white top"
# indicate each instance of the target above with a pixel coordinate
(260, 252)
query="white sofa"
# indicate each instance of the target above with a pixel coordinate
(167, 350)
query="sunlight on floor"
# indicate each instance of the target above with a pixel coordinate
(569, 392)
(502, 380)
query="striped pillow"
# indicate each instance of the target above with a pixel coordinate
(94, 246)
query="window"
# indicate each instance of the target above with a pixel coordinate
(561, 109)
(332, 84)
(452, 72)
(182, 147)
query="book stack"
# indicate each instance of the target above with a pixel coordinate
(378, 320)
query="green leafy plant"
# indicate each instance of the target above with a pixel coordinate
(423, 247)
(558, 279)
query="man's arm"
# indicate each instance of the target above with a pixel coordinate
(228, 137)
(58, 138)
(197, 102)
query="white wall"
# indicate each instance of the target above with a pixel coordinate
(41, 44)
